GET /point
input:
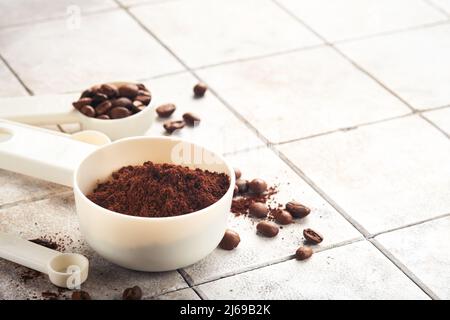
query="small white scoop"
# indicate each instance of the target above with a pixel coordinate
(66, 270)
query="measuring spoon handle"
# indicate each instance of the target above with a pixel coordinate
(25, 253)
(49, 109)
(40, 153)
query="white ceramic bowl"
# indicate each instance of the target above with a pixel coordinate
(150, 244)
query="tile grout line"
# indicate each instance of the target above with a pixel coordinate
(15, 74)
(435, 126)
(409, 225)
(408, 273)
(274, 262)
(332, 46)
(385, 252)
(35, 199)
(437, 7)
(192, 285)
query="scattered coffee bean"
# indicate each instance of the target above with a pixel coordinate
(237, 173)
(171, 126)
(191, 119)
(242, 185)
(312, 236)
(88, 111)
(82, 102)
(297, 210)
(103, 107)
(121, 102)
(110, 90)
(303, 253)
(230, 240)
(144, 99)
(128, 90)
(165, 110)
(258, 210)
(103, 98)
(200, 89)
(119, 112)
(283, 217)
(235, 191)
(80, 295)
(133, 293)
(267, 229)
(257, 186)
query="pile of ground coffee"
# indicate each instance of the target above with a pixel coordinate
(160, 190)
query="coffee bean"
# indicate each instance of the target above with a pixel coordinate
(297, 210)
(171, 126)
(258, 210)
(82, 102)
(134, 293)
(121, 102)
(237, 173)
(87, 94)
(136, 109)
(144, 93)
(144, 99)
(235, 191)
(257, 186)
(200, 89)
(103, 117)
(109, 89)
(191, 119)
(141, 86)
(165, 110)
(80, 295)
(283, 217)
(230, 240)
(99, 97)
(267, 229)
(88, 111)
(242, 185)
(119, 112)
(103, 107)
(128, 90)
(303, 253)
(312, 236)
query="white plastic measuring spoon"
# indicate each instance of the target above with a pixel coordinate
(58, 109)
(67, 270)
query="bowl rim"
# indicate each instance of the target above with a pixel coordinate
(119, 215)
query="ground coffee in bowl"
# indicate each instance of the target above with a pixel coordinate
(160, 190)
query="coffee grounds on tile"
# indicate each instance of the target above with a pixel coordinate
(160, 190)
(46, 243)
(241, 203)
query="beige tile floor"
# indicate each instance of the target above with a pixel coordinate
(345, 104)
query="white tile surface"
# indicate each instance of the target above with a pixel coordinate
(184, 294)
(443, 4)
(203, 32)
(16, 187)
(301, 94)
(356, 271)
(56, 218)
(413, 64)
(345, 19)
(385, 175)
(26, 11)
(219, 129)
(441, 118)
(51, 58)
(425, 250)
(9, 85)
(255, 250)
